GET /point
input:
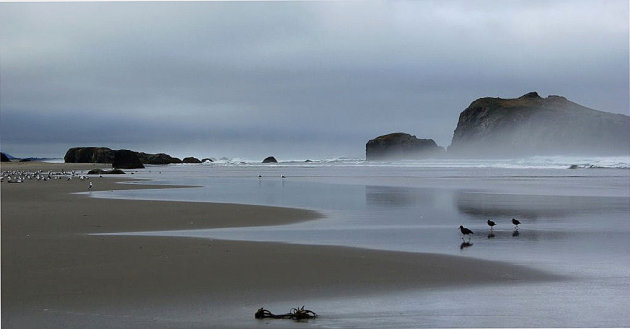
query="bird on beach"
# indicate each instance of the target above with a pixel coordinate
(516, 222)
(465, 231)
(90, 187)
(491, 223)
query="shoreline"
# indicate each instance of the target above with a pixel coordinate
(54, 272)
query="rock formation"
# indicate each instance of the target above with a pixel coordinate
(4, 157)
(126, 159)
(532, 125)
(191, 160)
(270, 160)
(400, 146)
(157, 159)
(105, 172)
(89, 155)
(106, 155)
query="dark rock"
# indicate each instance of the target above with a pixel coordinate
(106, 155)
(207, 160)
(400, 146)
(126, 159)
(105, 172)
(4, 157)
(531, 125)
(26, 160)
(89, 155)
(191, 160)
(573, 166)
(270, 160)
(157, 159)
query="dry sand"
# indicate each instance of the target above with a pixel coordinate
(55, 275)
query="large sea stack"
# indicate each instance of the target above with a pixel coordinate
(89, 155)
(532, 125)
(400, 146)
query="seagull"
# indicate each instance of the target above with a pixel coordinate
(89, 187)
(283, 176)
(491, 223)
(516, 222)
(465, 231)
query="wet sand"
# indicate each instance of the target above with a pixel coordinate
(56, 275)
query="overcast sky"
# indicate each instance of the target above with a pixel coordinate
(290, 79)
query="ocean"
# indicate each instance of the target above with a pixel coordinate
(575, 223)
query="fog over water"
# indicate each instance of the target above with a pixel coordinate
(292, 79)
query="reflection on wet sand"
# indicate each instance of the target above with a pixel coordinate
(534, 206)
(398, 196)
(465, 244)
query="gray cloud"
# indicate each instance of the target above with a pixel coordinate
(314, 78)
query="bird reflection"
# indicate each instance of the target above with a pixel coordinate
(465, 244)
(491, 235)
(516, 233)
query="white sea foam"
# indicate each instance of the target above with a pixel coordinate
(535, 162)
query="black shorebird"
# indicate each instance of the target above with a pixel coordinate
(465, 231)
(491, 223)
(516, 222)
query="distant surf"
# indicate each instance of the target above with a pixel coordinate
(536, 162)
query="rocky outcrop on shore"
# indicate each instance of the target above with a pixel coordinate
(126, 159)
(107, 155)
(105, 172)
(270, 159)
(157, 159)
(191, 160)
(400, 146)
(4, 157)
(89, 155)
(532, 125)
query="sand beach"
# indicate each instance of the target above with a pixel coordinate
(56, 275)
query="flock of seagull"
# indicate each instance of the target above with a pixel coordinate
(20, 176)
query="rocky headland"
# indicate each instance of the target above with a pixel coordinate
(532, 125)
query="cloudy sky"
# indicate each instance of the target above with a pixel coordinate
(291, 79)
